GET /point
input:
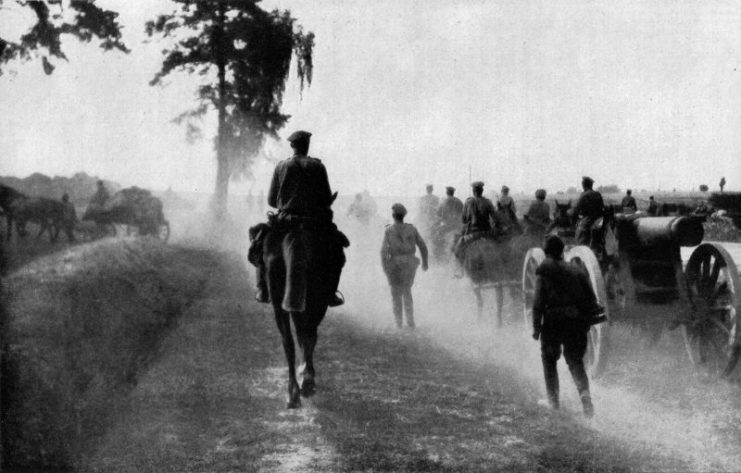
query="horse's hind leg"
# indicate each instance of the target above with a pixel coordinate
(479, 302)
(500, 304)
(284, 326)
(306, 334)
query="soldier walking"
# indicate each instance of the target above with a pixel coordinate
(400, 264)
(428, 205)
(563, 310)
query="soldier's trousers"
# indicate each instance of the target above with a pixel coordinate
(401, 295)
(574, 343)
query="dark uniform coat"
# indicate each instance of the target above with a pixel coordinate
(300, 187)
(478, 215)
(589, 208)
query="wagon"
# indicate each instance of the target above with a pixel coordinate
(136, 208)
(648, 280)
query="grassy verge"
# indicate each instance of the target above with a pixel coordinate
(81, 326)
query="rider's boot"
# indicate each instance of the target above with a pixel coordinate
(262, 294)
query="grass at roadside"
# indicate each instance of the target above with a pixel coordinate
(82, 325)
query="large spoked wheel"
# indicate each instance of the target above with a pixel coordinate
(597, 346)
(711, 335)
(533, 258)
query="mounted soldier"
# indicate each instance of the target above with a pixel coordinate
(449, 216)
(589, 208)
(480, 220)
(301, 193)
(538, 216)
(629, 202)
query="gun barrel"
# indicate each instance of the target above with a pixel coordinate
(682, 231)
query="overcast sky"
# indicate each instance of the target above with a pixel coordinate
(529, 94)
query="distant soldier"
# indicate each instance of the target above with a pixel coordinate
(100, 197)
(539, 214)
(653, 207)
(588, 209)
(506, 204)
(359, 209)
(479, 220)
(564, 308)
(428, 205)
(451, 210)
(400, 264)
(629, 202)
(69, 217)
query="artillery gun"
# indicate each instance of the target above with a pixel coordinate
(646, 280)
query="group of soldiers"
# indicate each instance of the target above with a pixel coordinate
(565, 305)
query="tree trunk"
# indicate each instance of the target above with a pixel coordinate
(222, 159)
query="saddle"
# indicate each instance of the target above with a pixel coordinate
(287, 222)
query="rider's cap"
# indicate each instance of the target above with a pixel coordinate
(587, 180)
(505, 189)
(398, 209)
(553, 246)
(299, 135)
(428, 187)
(450, 189)
(476, 184)
(540, 194)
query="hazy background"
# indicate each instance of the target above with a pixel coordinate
(642, 94)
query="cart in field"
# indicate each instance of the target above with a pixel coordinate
(136, 208)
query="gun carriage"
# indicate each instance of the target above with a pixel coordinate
(646, 278)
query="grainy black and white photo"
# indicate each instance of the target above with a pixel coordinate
(320, 236)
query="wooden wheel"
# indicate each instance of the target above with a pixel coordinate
(597, 346)
(163, 232)
(533, 258)
(711, 335)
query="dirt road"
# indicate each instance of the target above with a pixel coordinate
(454, 395)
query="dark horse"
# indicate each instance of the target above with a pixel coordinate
(18, 207)
(8, 196)
(494, 260)
(318, 243)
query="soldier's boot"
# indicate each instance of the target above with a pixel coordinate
(262, 294)
(336, 298)
(551, 384)
(586, 403)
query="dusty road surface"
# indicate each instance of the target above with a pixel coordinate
(454, 395)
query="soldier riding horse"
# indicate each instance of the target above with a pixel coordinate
(299, 256)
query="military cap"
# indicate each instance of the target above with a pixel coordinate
(540, 194)
(587, 180)
(505, 189)
(398, 209)
(450, 189)
(299, 135)
(553, 246)
(476, 184)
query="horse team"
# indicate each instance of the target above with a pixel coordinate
(51, 215)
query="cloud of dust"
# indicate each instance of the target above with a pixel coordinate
(648, 395)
